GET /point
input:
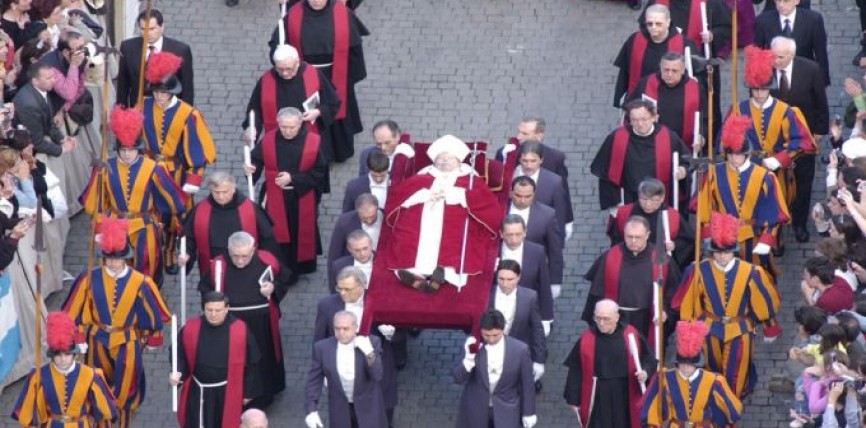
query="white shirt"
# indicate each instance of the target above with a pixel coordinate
(380, 191)
(789, 71)
(373, 230)
(744, 166)
(67, 371)
(690, 378)
(767, 103)
(726, 268)
(43, 93)
(515, 254)
(507, 304)
(791, 18)
(495, 362)
(117, 275)
(367, 268)
(357, 308)
(346, 368)
(518, 172)
(157, 47)
(524, 213)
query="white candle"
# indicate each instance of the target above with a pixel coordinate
(183, 245)
(704, 28)
(696, 137)
(676, 191)
(688, 56)
(253, 123)
(282, 10)
(183, 282)
(282, 31)
(247, 157)
(632, 346)
(174, 361)
(218, 273)
(251, 189)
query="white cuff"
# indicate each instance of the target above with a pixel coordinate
(190, 188)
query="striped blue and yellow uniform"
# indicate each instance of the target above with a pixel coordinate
(141, 192)
(706, 401)
(118, 316)
(78, 399)
(732, 303)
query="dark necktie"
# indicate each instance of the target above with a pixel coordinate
(786, 30)
(784, 85)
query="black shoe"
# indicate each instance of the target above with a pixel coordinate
(779, 251)
(538, 386)
(415, 332)
(171, 269)
(858, 57)
(409, 279)
(801, 234)
(231, 3)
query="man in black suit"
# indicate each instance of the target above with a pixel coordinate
(365, 216)
(542, 227)
(519, 305)
(130, 60)
(375, 181)
(532, 258)
(33, 110)
(360, 248)
(805, 26)
(352, 365)
(389, 140)
(800, 86)
(351, 287)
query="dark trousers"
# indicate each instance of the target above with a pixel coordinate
(354, 419)
(490, 421)
(804, 174)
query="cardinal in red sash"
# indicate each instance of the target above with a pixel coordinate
(603, 382)
(217, 366)
(640, 149)
(640, 54)
(327, 36)
(626, 274)
(293, 165)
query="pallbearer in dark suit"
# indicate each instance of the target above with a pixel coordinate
(352, 365)
(351, 287)
(128, 70)
(376, 181)
(532, 259)
(542, 227)
(498, 388)
(549, 189)
(361, 253)
(390, 141)
(800, 86)
(519, 305)
(366, 216)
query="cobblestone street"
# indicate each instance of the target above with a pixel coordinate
(473, 69)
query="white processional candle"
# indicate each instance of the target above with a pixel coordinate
(688, 56)
(632, 346)
(251, 190)
(705, 27)
(282, 31)
(218, 274)
(676, 191)
(696, 137)
(174, 361)
(253, 124)
(183, 282)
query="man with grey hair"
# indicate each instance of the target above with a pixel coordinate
(603, 380)
(351, 289)
(361, 253)
(366, 216)
(254, 418)
(255, 283)
(330, 21)
(643, 50)
(294, 167)
(225, 211)
(801, 86)
(352, 366)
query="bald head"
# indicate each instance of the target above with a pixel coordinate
(606, 306)
(254, 418)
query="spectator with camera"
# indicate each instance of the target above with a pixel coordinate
(821, 287)
(68, 62)
(36, 113)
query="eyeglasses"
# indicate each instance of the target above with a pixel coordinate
(654, 24)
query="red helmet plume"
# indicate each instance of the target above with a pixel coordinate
(112, 235)
(758, 71)
(161, 66)
(734, 133)
(126, 124)
(60, 331)
(690, 338)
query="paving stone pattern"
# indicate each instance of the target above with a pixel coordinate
(470, 68)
